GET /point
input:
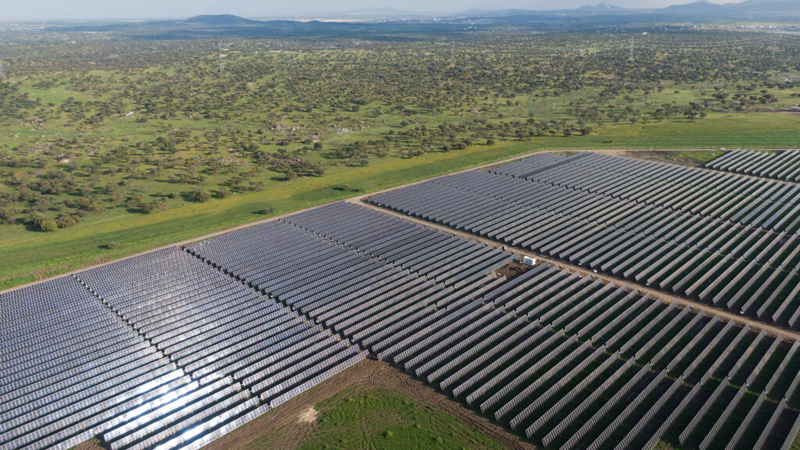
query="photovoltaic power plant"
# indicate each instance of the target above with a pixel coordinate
(72, 368)
(784, 165)
(175, 348)
(723, 239)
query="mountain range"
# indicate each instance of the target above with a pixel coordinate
(387, 22)
(701, 10)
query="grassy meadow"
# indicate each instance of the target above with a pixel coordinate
(103, 156)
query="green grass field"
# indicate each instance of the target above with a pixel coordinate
(382, 419)
(29, 256)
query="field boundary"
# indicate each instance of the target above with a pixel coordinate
(357, 199)
(367, 374)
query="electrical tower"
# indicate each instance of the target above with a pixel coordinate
(223, 48)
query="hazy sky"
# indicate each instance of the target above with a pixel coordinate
(140, 9)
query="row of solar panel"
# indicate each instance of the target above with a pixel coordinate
(224, 338)
(619, 380)
(683, 175)
(77, 368)
(215, 330)
(749, 201)
(433, 254)
(82, 367)
(776, 249)
(515, 368)
(373, 299)
(762, 281)
(213, 327)
(780, 166)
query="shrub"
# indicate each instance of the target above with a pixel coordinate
(48, 225)
(148, 208)
(91, 204)
(223, 192)
(66, 222)
(35, 218)
(266, 211)
(112, 245)
(201, 195)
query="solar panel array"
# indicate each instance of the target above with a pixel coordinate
(225, 335)
(191, 355)
(575, 363)
(758, 203)
(571, 361)
(433, 254)
(175, 348)
(783, 165)
(652, 223)
(71, 369)
(371, 277)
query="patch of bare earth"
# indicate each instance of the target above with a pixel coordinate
(308, 416)
(91, 444)
(292, 422)
(513, 270)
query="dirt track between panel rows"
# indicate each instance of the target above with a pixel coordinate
(669, 298)
(292, 418)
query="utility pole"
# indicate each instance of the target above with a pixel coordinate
(222, 56)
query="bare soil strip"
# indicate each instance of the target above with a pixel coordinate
(292, 418)
(772, 330)
(91, 444)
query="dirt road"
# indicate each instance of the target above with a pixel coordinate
(725, 314)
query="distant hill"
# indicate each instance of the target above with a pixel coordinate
(220, 19)
(768, 7)
(750, 9)
(700, 6)
(598, 8)
(701, 10)
(391, 22)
